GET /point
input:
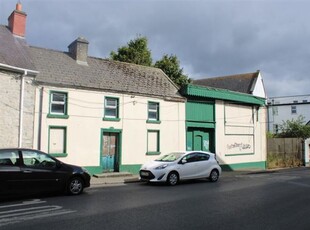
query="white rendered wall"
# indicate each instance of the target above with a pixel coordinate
(86, 109)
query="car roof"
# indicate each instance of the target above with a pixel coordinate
(193, 151)
(20, 149)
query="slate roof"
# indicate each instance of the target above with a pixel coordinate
(243, 83)
(60, 69)
(14, 50)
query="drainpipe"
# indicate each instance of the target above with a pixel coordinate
(40, 118)
(21, 109)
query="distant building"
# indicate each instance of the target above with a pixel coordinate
(287, 108)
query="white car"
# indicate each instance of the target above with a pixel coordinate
(177, 166)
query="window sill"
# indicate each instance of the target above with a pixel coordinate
(110, 119)
(58, 154)
(153, 121)
(153, 153)
(57, 116)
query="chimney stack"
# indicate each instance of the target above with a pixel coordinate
(17, 21)
(78, 50)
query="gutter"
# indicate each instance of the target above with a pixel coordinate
(26, 72)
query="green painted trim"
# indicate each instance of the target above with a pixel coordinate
(158, 142)
(238, 154)
(153, 153)
(200, 91)
(134, 169)
(153, 122)
(59, 154)
(64, 154)
(200, 124)
(117, 110)
(111, 119)
(53, 115)
(93, 169)
(244, 166)
(57, 116)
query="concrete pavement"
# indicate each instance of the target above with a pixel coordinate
(119, 178)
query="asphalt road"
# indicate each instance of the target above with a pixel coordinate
(279, 200)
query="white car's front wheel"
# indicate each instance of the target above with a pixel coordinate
(173, 178)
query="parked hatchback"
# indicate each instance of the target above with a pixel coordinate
(28, 171)
(176, 166)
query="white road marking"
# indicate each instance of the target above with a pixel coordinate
(33, 211)
(36, 201)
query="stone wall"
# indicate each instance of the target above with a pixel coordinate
(10, 85)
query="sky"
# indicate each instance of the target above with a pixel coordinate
(210, 37)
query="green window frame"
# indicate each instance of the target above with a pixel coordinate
(153, 142)
(57, 141)
(58, 105)
(111, 109)
(153, 112)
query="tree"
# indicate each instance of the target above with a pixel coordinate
(135, 52)
(171, 67)
(295, 128)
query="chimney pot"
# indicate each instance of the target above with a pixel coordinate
(18, 6)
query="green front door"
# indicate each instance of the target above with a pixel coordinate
(110, 151)
(201, 141)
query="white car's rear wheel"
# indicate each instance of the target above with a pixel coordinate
(214, 175)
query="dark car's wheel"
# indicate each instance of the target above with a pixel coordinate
(75, 186)
(173, 178)
(214, 175)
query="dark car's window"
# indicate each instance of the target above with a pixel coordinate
(8, 158)
(37, 159)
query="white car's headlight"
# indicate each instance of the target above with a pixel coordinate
(162, 166)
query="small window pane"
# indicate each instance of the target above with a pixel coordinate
(153, 106)
(58, 97)
(111, 102)
(110, 113)
(57, 108)
(152, 115)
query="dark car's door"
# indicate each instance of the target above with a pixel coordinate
(10, 173)
(41, 172)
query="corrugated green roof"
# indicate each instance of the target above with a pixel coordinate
(222, 94)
